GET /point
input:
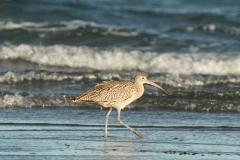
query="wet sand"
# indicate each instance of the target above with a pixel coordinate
(74, 133)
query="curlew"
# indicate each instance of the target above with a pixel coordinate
(115, 94)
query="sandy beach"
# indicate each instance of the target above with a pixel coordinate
(73, 133)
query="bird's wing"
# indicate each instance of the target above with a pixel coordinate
(110, 91)
(105, 84)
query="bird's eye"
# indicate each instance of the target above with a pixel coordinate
(143, 78)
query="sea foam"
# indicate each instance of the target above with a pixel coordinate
(119, 59)
(173, 80)
(54, 100)
(45, 27)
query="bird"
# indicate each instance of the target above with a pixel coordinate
(116, 94)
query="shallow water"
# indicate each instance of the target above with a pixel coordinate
(74, 133)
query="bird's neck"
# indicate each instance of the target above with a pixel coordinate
(139, 88)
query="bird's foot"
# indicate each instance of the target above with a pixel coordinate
(105, 136)
(139, 134)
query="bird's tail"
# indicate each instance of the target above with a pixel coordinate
(74, 99)
(86, 97)
(77, 99)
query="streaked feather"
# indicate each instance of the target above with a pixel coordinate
(108, 91)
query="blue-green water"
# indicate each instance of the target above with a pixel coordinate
(73, 133)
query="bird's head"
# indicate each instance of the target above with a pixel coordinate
(141, 79)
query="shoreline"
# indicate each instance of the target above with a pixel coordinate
(78, 133)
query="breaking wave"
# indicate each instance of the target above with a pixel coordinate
(172, 80)
(120, 60)
(74, 25)
(47, 26)
(11, 100)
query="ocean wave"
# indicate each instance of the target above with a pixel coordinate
(121, 60)
(190, 14)
(210, 28)
(28, 101)
(16, 100)
(48, 26)
(73, 25)
(171, 80)
(14, 77)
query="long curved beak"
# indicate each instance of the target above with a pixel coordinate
(155, 85)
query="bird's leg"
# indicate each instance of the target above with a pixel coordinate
(106, 122)
(125, 125)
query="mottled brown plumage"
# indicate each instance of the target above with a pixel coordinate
(115, 94)
(110, 91)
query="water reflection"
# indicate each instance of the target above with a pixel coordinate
(117, 147)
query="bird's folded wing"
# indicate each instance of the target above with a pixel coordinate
(111, 91)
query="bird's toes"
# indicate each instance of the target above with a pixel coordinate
(139, 134)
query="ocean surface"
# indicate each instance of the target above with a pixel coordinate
(51, 51)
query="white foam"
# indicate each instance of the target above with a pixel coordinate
(29, 101)
(44, 26)
(12, 77)
(212, 28)
(65, 26)
(11, 100)
(17, 100)
(117, 59)
(24, 25)
(119, 33)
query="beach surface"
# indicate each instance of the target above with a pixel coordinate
(73, 133)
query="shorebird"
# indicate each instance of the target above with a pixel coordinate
(115, 94)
